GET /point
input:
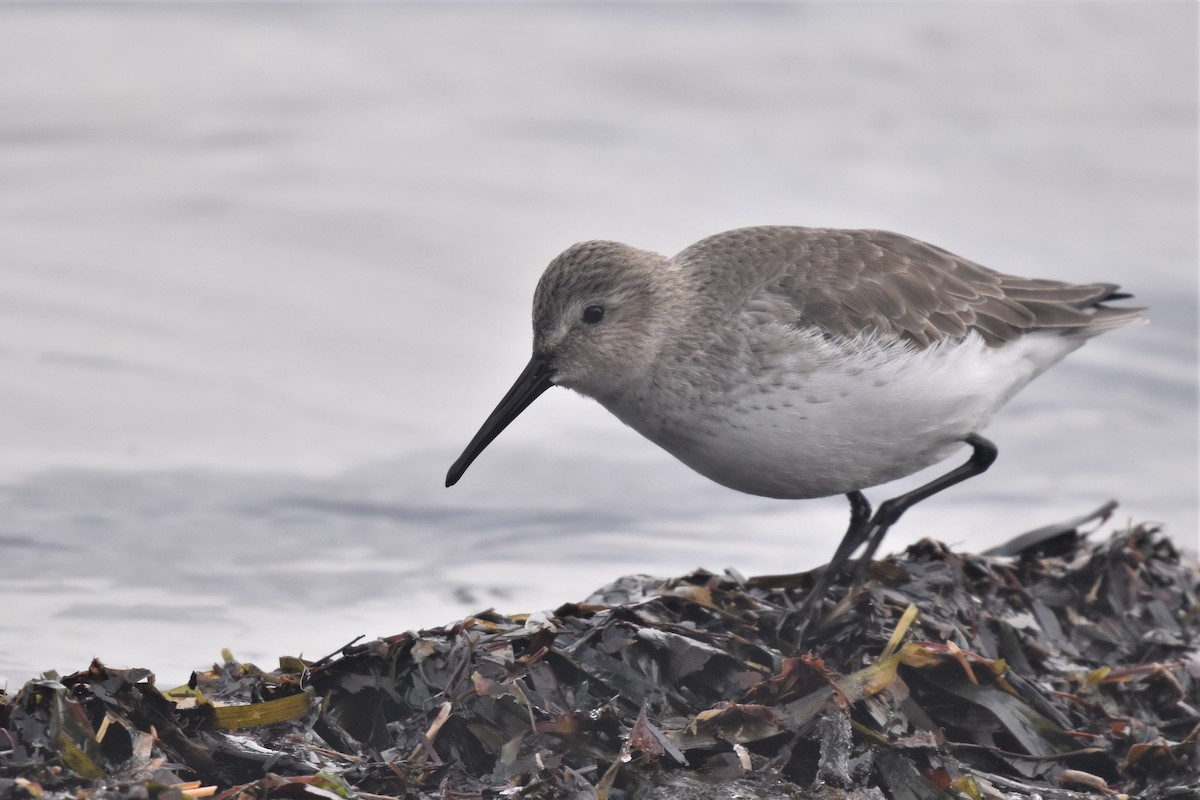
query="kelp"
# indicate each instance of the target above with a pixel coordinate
(1055, 668)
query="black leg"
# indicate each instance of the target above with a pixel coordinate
(856, 534)
(871, 529)
(890, 510)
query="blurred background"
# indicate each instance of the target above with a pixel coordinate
(265, 269)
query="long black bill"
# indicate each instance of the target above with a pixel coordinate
(534, 380)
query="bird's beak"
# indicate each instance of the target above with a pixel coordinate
(534, 380)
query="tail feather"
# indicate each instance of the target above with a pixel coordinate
(1106, 318)
(1071, 309)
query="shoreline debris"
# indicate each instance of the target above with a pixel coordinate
(1069, 669)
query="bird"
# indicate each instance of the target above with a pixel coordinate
(796, 362)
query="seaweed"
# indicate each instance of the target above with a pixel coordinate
(1055, 668)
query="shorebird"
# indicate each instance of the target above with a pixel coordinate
(796, 363)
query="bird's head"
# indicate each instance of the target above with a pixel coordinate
(600, 314)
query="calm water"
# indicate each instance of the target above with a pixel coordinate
(263, 271)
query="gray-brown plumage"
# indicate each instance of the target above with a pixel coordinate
(849, 281)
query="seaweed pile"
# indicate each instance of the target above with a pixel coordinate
(1064, 669)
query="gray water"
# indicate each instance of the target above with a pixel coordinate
(264, 270)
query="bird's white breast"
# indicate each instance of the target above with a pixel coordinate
(821, 418)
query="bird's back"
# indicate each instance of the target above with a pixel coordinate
(847, 282)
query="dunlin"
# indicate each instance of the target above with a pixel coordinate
(801, 362)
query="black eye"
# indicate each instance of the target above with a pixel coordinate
(593, 314)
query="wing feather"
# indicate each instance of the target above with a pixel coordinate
(844, 282)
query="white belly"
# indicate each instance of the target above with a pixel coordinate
(869, 416)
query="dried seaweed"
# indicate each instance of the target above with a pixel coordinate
(1063, 669)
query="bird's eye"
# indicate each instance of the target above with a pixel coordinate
(593, 314)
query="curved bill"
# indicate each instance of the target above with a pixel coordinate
(534, 380)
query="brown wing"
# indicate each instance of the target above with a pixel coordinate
(848, 281)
